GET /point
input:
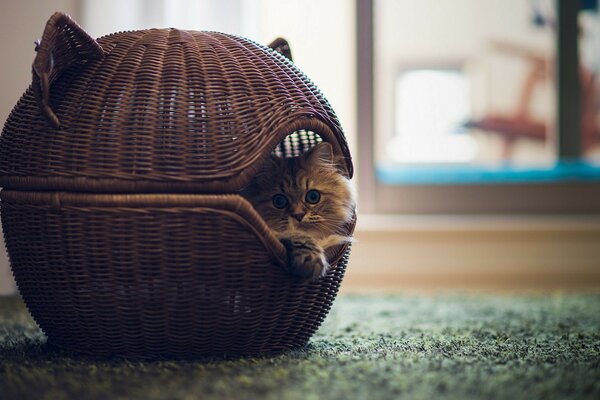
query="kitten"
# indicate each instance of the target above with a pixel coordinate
(307, 203)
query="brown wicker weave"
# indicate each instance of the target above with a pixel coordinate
(121, 166)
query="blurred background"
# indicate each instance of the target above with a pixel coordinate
(474, 125)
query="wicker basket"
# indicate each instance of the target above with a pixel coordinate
(121, 166)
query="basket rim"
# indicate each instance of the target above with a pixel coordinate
(232, 205)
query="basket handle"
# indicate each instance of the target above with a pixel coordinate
(282, 46)
(63, 44)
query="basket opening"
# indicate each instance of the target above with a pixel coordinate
(297, 143)
(302, 140)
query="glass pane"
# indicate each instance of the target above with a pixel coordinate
(589, 45)
(463, 87)
(418, 137)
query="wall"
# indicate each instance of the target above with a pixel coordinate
(494, 252)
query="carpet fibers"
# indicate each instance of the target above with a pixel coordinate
(446, 346)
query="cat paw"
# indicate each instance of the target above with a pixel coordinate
(306, 259)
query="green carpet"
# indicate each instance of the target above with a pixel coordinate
(451, 346)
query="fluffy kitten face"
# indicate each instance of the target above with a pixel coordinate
(304, 193)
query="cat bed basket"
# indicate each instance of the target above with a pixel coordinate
(121, 166)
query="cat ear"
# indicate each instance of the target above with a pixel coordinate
(63, 44)
(281, 46)
(321, 153)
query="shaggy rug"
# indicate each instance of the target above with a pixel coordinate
(446, 346)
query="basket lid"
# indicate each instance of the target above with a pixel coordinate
(160, 110)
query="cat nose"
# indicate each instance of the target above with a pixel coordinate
(299, 216)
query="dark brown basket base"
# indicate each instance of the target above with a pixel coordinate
(150, 276)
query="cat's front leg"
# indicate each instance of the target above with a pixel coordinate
(305, 258)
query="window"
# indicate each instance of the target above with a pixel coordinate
(475, 106)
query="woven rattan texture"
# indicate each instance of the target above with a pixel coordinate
(147, 281)
(121, 166)
(163, 110)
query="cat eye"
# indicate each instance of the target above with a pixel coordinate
(280, 201)
(313, 196)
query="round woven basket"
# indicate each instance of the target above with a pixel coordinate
(121, 166)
